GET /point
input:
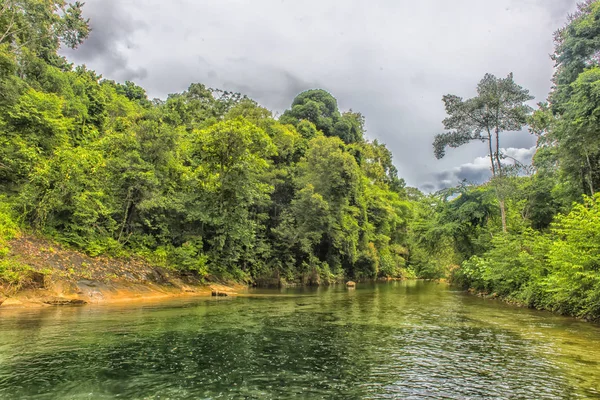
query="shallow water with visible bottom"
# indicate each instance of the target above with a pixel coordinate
(397, 340)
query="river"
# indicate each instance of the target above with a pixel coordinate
(379, 341)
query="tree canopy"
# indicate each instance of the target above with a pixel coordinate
(211, 184)
(206, 182)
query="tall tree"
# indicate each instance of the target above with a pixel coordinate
(498, 107)
(230, 161)
(41, 26)
(576, 48)
(570, 138)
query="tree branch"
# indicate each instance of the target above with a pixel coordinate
(10, 25)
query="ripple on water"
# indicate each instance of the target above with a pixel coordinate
(400, 340)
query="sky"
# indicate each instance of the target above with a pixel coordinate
(391, 60)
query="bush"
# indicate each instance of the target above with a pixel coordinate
(15, 275)
(9, 229)
(558, 271)
(573, 287)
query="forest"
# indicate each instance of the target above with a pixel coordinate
(210, 183)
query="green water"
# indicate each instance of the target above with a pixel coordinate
(398, 340)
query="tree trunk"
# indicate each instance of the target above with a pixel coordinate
(497, 153)
(498, 183)
(491, 153)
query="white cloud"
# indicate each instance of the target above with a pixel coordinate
(477, 171)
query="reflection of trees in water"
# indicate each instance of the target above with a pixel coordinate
(395, 339)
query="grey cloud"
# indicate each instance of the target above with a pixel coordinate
(473, 173)
(428, 187)
(558, 8)
(521, 139)
(109, 41)
(278, 87)
(477, 171)
(271, 86)
(392, 61)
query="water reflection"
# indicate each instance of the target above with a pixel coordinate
(395, 340)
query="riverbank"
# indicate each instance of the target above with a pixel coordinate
(43, 273)
(47, 274)
(84, 292)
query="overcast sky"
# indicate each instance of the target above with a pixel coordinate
(391, 60)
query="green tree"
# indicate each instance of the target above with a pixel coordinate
(320, 108)
(207, 181)
(498, 107)
(576, 132)
(229, 160)
(133, 92)
(568, 150)
(575, 49)
(41, 26)
(32, 128)
(350, 127)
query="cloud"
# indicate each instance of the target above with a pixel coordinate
(523, 156)
(429, 187)
(110, 41)
(477, 171)
(272, 85)
(391, 60)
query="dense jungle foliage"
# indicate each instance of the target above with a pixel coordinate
(210, 183)
(531, 234)
(205, 181)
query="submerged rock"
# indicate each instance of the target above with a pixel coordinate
(61, 301)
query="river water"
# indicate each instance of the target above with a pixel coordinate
(379, 341)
